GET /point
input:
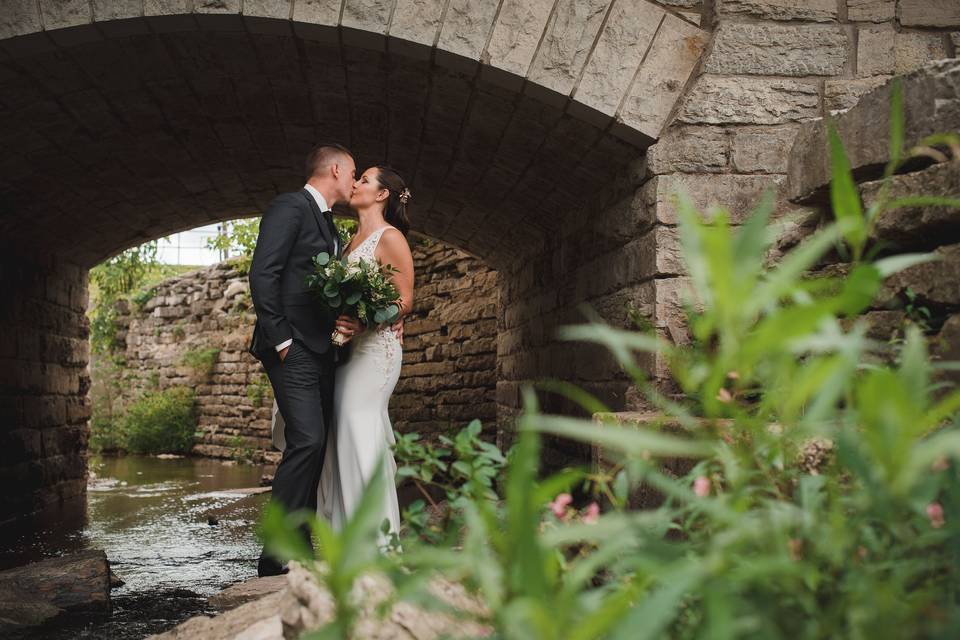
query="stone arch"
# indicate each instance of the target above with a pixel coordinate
(491, 100)
(517, 123)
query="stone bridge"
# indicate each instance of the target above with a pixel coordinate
(523, 125)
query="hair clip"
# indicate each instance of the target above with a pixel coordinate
(404, 195)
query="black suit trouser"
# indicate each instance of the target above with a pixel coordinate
(303, 387)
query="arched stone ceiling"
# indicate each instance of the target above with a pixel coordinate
(125, 120)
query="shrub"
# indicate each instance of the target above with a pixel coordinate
(106, 435)
(161, 422)
(202, 361)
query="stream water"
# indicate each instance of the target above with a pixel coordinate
(153, 518)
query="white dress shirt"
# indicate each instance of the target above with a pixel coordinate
(322, 203)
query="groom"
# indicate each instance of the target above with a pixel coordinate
(292, 335)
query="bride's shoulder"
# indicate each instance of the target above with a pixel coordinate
(393, 241)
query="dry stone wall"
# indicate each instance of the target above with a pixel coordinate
(43, 385)
(447, 379)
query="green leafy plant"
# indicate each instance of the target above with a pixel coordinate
(142, 297)
(202, 361)
(463, 468)
(240, 238)
(161, 422)
(258, 390)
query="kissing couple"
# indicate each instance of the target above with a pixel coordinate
(330, 421)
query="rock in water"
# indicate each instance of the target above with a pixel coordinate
(79, 582)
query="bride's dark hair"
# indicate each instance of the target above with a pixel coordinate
(395, 211)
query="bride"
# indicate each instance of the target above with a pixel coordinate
(362, 433)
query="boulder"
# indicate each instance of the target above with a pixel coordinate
(34, 593)
(299, 604)
(248, 591)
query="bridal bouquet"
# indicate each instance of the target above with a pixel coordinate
(362, 289)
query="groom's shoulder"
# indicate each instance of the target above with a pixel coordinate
(291, 198)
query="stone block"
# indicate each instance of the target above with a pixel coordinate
(322, 12)
(871, 10)
(918, 228)
(884, 51)
(689, 149)
(516, 34)
(58, 14)
(417, 20)
(19, 17)
(217, 6)
(811, 10)
(749, 100)
(761, 150)
(929, 13)
(931, 104)
(784, 50)
(567, 42)
(371, 16)
(738, 194)
(840, 95)
(466, 26)
(116, 9)
(620, 48)
(934, 283)
(673, 55)
(279, 9)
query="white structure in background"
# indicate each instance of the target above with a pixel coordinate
(190, 247)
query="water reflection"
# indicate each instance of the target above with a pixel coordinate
(151, 516)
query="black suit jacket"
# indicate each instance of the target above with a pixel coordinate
(292, 232)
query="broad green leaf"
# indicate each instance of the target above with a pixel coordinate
(844, 196)
(894, 264)
(322, 259)
(632, 442)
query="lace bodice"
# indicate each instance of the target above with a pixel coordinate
(366, 250)
(381, 344)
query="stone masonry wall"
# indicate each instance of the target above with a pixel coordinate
(449, 352)
(43, 386)
(771, 66)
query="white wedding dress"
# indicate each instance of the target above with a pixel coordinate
(361, 433)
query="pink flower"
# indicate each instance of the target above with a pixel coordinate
(701, 486)
(935, 513)
(560, 503)
(592, 513)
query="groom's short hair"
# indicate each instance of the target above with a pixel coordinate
(323, 155)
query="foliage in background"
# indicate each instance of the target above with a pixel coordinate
(464, 468)
(239, 241)
(346, 228)
(110, 281)
(161, 422)
(201, 361)
(755, 541)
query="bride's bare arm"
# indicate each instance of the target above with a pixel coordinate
(394, 250)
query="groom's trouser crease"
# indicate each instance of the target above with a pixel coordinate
(303, 387)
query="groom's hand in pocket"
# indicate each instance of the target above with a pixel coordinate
(283, 353)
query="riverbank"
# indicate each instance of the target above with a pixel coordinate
(152, 518)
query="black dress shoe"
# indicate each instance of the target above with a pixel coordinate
(270, 567)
